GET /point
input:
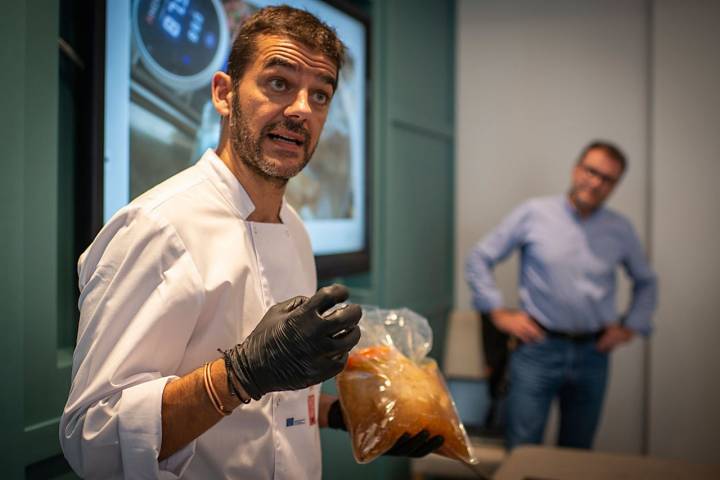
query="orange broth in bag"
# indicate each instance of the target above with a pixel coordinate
(385, 394)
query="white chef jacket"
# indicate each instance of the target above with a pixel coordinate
(173, 276)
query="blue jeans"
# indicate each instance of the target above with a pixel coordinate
(574, 372)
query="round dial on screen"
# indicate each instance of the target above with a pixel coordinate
(181, 42)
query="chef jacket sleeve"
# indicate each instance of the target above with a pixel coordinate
(141, 296)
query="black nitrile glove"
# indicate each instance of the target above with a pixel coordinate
(406, 446)
(294, 347)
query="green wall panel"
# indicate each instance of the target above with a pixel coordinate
(41, 200)
(421, 60)
(419, 224)
(44, 236)
(12, 167)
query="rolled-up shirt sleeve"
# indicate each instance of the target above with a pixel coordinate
(495, 247)
(140, 298)
(645, 285)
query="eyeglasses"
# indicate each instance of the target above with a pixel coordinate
(606, 179)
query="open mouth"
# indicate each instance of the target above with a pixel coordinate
(288, 140)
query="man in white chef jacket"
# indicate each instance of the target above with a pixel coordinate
(202, 341)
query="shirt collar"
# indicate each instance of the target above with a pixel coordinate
(570, 208)
(231, 188)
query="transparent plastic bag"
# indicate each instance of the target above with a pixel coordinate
(389, 387)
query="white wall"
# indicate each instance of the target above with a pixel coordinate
(685, 368)
(536, 81)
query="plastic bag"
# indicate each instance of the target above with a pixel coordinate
(389, 387)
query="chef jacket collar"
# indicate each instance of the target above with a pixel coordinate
(231, 188)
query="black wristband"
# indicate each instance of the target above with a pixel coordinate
(230, 371)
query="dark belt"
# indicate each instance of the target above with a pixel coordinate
(573, 337)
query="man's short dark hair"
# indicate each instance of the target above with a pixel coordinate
(610, 149)
(285, 21)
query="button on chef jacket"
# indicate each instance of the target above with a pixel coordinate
(173, 276)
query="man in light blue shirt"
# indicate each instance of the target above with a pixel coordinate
(570, 247)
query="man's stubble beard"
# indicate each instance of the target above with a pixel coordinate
(249, 150)
(582, 205)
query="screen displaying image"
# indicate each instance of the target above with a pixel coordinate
(159, 118)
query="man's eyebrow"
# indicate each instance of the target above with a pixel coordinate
(329, 79)
(281, 62)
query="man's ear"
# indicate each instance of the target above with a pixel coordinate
(222, 93)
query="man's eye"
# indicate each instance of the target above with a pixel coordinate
(321, 97)
(278, 84)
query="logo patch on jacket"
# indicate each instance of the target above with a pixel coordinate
(292, 421)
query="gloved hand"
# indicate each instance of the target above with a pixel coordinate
(416, 446)
(294, 346)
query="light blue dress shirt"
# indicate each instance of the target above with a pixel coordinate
(568, 266)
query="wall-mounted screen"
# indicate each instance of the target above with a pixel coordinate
(160, 57)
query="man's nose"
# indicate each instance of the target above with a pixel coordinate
(596, 181)
(299, 108)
